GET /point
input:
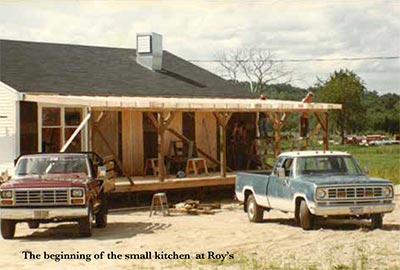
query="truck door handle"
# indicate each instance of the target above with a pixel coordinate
(286, 181)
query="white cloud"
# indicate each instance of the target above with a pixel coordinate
(198, 29)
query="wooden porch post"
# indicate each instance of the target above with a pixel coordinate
(222, 120)
(161, 124)
(277, 134)
(160, 150)
(323, 121)
(277, 121)
(326, 134)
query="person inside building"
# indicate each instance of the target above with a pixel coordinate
(239, 139)
(304, 118)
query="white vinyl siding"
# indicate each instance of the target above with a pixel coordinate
(8, 124)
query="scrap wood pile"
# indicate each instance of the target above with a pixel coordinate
(193, 207)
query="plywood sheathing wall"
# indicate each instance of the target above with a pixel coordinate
(108, 126)
(206, 134)
(132, 143)
(176, 125)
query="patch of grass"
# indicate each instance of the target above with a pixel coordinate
(361, 257)
(382, 161)
(242, 261)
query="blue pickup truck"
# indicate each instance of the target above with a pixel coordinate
(314, 184)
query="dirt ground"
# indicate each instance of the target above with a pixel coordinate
(277, 243)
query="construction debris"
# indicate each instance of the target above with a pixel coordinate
(193, 207)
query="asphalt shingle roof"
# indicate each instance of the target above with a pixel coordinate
(36, 67)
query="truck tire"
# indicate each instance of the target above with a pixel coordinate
(86, 224)
(305, 217)
(376, 221)
(255, 213)
(33, 224)
(101, 216)
(7, 228)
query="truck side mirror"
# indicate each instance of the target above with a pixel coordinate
(366, 170)
(281, 173)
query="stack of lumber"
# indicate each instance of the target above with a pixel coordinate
(193, 207)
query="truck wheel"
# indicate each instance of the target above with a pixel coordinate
(376, 221)
(306, 218)
(86, 224)
(7, 228)
(33, 224)
(255, 213)
(101, 216)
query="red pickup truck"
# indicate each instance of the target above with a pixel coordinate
(56, 188)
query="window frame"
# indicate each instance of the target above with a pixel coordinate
(63, 126)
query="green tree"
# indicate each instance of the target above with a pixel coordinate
(346, 88)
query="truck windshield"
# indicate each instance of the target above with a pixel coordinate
(51, 165)
(344, 165)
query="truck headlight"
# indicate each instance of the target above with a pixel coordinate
(387, 191)
(77, 193)
(6, 194)
(321, 193)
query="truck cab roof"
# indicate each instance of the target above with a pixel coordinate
(313, 153)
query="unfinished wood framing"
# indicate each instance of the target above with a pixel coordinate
(162, 122)
(159, 104)
(323, 120)
(206, 135)
(176, 124)
(166, 114)
(198, 149)
(103, 136)
(277, 121)
(222, 120)
(194, 182)
(132, 142)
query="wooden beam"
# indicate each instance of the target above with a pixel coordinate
(177, 184)
(95, 128)
(325, 132)
(207, 156)
(277, 133)
(132, 142)
(222, 147)
(222, 117)
(161, 124)
(162, 104)
(315, 131)
(153, 121)
(161, 155)
(323, 119)
(222, 120)
(76, 132)
(100, 117)
(277, 121)
(166, 120)
(284, 118)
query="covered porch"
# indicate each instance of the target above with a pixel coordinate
(124, 126)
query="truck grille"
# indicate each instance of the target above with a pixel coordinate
(41, 197)
(355, 192)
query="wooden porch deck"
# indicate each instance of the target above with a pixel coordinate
(151, 183)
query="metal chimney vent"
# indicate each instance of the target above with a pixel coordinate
(149, 50)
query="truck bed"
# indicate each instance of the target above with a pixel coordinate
(257, 182)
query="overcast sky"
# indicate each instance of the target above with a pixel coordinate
(200, 29)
